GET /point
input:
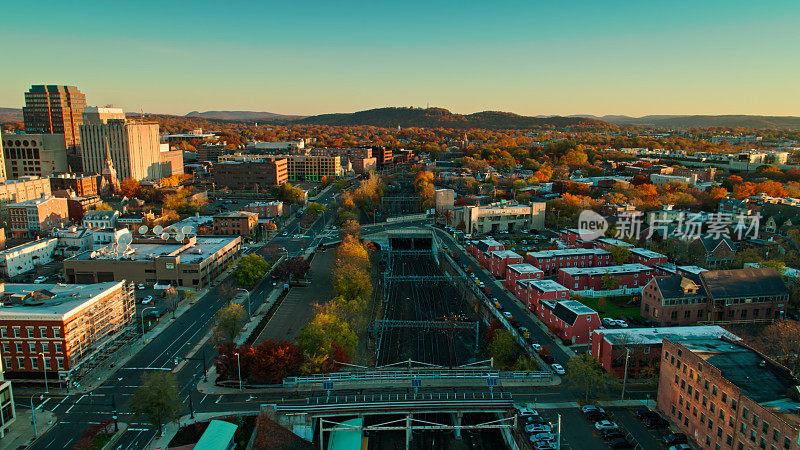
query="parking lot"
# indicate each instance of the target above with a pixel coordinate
(155, 308)
(579, 433)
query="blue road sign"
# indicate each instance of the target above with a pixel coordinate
(491, 381)
(416, 382)
(327, 385)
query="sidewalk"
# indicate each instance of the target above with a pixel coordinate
(20, 434)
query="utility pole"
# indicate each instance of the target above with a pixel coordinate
(625, 376)
(33, 418)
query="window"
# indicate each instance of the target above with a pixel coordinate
(16, 332)
(719, 432)
(714, 391)
(745, 413)
(3, 332)
(45, 347)
(30, 331)
(20, 362)
(34, 363)
(728, 439)
(32, 347)
(776, 435)
(733, 404)
(18, 347)
(42, 332)
(56, 332)
(57, 346)
(724, 397)
(60, 363)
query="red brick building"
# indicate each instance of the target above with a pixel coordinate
(482, 249)
(533, 292)
(517, 272)
(550, 261)
(266, 210)
(58, 327)
(234, 223)
(499, 259)
(605, 243)
(570, 320)
(77, 206)
(628, 277)
(36, 217)
(647, 257)
(716, 296)
(723, 394)
(82, 184)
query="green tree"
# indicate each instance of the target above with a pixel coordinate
(320, 338)
(503, 348)
(228, 321)
(585, 374)
(288, 193)
(250, 269)
(314, 209)
(620, 254)
(351, 282)
(608, 282)
(156, 400)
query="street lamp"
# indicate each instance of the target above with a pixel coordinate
(44, 367)
(239, 366)
(248, 300)
(143, 310)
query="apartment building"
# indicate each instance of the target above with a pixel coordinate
(625, 278)
(723, 394)
(23, 189)
(642, 346)
(482, 249)
(647, 257)
(55, 328)
(499, 259)
(34, 217)
(79, 206)
(133, 144)
(518, 272)
(551, 261)
(252, 174)
(100, 219)
(532, 292)
(8, 414)
(715, 296)
(500, 216)
(241, 223)
(570, 320)
(24, 258)
(52, 109)
(34, 154)
(82, 184)
(266, 210)
(313, 168)
(193, 262)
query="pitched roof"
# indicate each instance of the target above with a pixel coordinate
(711, 243)
(570, 310)
(671, 286)
(749, 282)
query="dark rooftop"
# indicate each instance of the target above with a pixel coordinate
(749, 282)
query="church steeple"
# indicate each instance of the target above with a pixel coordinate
(109, 173)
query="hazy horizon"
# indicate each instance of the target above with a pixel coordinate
(530, 58)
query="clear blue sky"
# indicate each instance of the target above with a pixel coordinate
(311, 56)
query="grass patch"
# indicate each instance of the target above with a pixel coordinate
(612, 306)
(100, 441)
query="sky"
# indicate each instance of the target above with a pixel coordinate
(309, 57)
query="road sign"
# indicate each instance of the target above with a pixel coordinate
(416, 382)
(491, 381)
(327, 385)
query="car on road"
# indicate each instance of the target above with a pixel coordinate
(285, 233)
(147, 300)
(592, 409)
(536, 346)
(480, 284)
(558, 369)
(508, 315)
(543, 445)
(542, 437)
(537, 428)
(605, 425)
(620, 442)
(40, 279)
(537, 419)
(610, 434)
(608, 322)
(675, 439)
(526, 412)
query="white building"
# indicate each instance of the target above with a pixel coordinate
(26, 257)
(99, 219)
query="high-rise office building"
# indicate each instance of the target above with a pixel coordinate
(2, 163)
(132, 144)
(33, 154)
(51, 109)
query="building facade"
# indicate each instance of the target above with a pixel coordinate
(236, 223)
(550, 261)
(625, 278)
(500, 216)
(534, 291)
(55, 328)
(252, 174)
(24, 258)
(518, 272)
(52, 109)
(82, 184)
(35, 217)
(266, 210)
(34, 154)
(500, 259)
(570, 320)
(8, 415)
(24, 189)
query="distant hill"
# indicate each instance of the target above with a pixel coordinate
(439, 117)
(698, 121)
(241, 115)
(10, 115)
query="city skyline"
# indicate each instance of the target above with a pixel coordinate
(527, 58)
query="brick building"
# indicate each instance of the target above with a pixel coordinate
(723, 394)
(627, 278)
(550, 261)
(236, 223)
(570, 320)
(532, 292)
(482, 249)
(642, 346)
(65, 323)
(78, 206)
(647, 257)
(35, 217)
(723, 296)
(52, 109)
(499, 259)
(259, 174)
(517, 272)
(266, 209)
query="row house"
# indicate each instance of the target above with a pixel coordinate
(570, 320)
(572, 236)
(550, 261)
(518, 272)
(647, 257)
(715, 296)
(606, 243)
(626, 277)
(500, 259)
(533, 292)
(667, 269)
(481, 250)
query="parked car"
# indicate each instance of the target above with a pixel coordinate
(655, 422)
(533, 419)
(610, 434)
(508, 315)
(543, 445)
(40, 279)
(681, 447)
(498, 305)
(608, 323)
(675, 439)
(558, 368)
(534, 428)
(621, 323)
(620, 442)
(536, 347)
(605, 425)
(593, 412)
(542, 437)
(643, 414)
(525, 412)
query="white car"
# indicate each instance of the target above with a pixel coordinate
(141, 286)
(558, 368)
(39, 280)
(508, 315)
(605, 425)
(147, 299)
(537, 428)
(536, 347)
(481, 284)
(524, 412)
(621, 323)
(681, 447)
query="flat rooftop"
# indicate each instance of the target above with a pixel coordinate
(611, 270)
(650, 336)
(544, 285)
(523, 268)
(567, 252)
(505, 254)
(187, 254)
(645, 253)
(26, 246)
(612, 241)
(55, 299)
